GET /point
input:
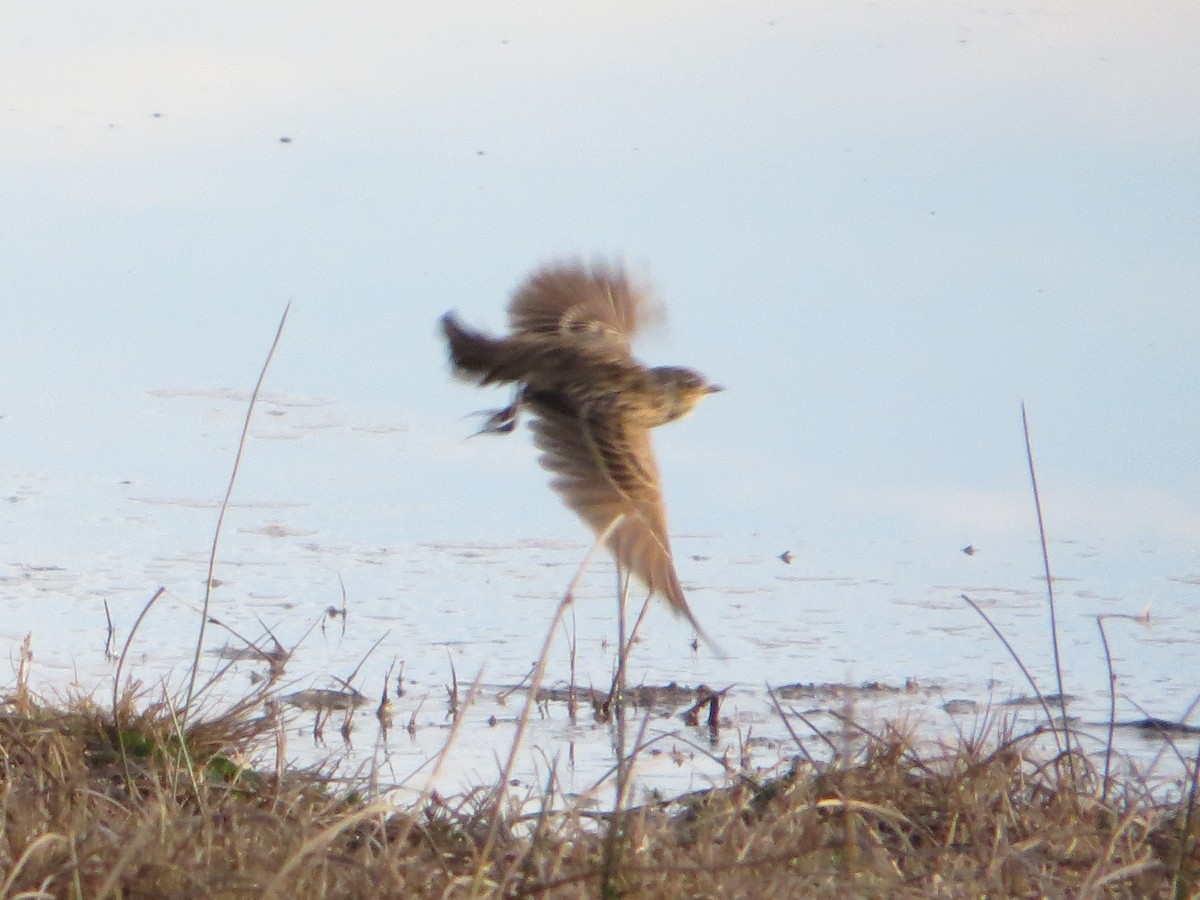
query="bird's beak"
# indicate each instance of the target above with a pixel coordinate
(713, 389)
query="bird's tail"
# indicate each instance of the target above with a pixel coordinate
(488, 360)
(473, 354)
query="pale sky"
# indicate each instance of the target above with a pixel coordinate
(880, 226)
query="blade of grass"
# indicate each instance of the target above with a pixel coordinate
(1112, 709)
(535, 685)
(788, 725)
(185, 711)
(1024, 671)
(1058, 673)
(1181, 880)
(125, 653)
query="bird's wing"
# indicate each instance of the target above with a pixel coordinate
(604, 468)
(597, 305)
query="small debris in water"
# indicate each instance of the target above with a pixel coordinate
(814, 690)
(384, 711)
(1155, 727)
(1029, 700)
(324, 698)
(960, 707)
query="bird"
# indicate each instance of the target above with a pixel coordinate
(592, 404)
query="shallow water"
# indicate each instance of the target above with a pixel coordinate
(881, 229)
(479, 610)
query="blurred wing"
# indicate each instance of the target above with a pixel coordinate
(603, 469)
(572, 301)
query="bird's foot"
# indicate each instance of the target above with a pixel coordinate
(500, 421)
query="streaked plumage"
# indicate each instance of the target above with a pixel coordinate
(593, 405)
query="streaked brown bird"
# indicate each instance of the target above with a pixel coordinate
(593, 405)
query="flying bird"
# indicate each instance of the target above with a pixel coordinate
(593, 406)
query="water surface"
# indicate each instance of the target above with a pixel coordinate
(881, 229)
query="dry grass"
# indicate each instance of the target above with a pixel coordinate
(97, 806)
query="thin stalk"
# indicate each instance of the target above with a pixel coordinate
(614, 840)
(1058, 672)
(1112, 709)
(212, 556)
(1181, 882)
(535, 685)
(1037, 692)
(125, 654)
(616, 695)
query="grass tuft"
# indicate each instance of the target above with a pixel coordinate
(97, 806)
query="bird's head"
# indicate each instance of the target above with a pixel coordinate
(683, 389)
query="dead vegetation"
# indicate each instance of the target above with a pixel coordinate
(106, 803)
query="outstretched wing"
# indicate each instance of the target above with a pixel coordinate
(604, 468)
(597, 304)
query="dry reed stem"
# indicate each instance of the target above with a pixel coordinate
(212, 556)
(1016, 657)
(535, 685)
(1054, 641)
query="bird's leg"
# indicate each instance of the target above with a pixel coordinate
(502, 421)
